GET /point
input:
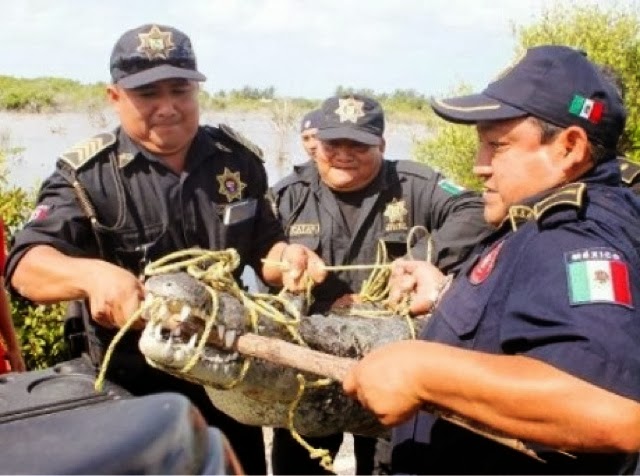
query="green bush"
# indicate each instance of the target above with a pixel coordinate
(39, 328)
(609, 35)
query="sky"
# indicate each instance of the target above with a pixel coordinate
(303, 48)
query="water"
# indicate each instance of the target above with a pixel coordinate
(39, 139)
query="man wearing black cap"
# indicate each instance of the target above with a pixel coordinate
(537, 337)
(309, 132)
(346, 200)
(157, 184)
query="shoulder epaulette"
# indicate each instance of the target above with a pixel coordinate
(298, 175)
(82, 153)
(242, 140)
(630, 171)
(414, 168)
(571, 195)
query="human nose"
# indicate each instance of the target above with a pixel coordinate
(482, 164)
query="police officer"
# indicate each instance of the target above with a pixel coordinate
(537, 337)
(309, 131)
(157, 184)
(346, 200)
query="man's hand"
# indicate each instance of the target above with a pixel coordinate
(385, 381)
(418, 281)
(301, 263)
(114, 295)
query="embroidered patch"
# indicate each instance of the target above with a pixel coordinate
(450, 187)
(585, 108)
(396, 213)
(156, 44)
(350, 109)
(483, 268)
(231, 186)
(39, 213)
(304, 229)
(598, 275)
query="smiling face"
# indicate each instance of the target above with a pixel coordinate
(515, 164)
(346, 166)
(162, 117)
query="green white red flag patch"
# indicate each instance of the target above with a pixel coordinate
(598, 275)
(588, 109)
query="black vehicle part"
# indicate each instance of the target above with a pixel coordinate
(53, 422)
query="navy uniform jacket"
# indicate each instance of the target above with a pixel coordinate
(409, 194)
(559, 282)
(146, 211)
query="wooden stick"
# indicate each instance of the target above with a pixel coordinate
(326, 365)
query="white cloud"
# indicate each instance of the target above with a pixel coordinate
(302, 47)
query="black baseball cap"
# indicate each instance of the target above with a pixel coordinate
(557, 84)
(355, 117)
(310, 120)
(150, 53)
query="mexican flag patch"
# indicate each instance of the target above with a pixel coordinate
(588, 109)
(598, 275)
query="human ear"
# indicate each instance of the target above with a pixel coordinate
(575, 152)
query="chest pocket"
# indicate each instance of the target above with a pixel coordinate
(467, 316)
(238, 219)
(307, 234)
(134, 247)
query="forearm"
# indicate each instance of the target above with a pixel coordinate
(46, 275)
(528, 399)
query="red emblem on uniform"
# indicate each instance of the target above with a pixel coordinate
(39, 213)
(482, 270)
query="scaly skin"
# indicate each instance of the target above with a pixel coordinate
(264, 395)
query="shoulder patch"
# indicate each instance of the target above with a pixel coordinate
(82, 153)
(242, 140)
(450, 187)
(598, 275)
(630, 171)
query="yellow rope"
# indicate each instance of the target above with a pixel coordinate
(112, 345)
(325, 457)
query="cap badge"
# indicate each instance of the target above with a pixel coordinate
(395, 213)
(155, 44)
(586, 108)
(350, 109)
(231, 186)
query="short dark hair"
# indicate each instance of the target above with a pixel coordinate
(549, 131)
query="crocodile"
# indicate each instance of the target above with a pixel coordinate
(264, 393)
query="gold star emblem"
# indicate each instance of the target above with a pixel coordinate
(396, 212)
(155, 44)
(350, 109)
(231, 186)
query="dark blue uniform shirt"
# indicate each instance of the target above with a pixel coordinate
(559, 282)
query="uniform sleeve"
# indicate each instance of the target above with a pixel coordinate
(268, 228)
(57, 221)
(456, 222)
(549, 314)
